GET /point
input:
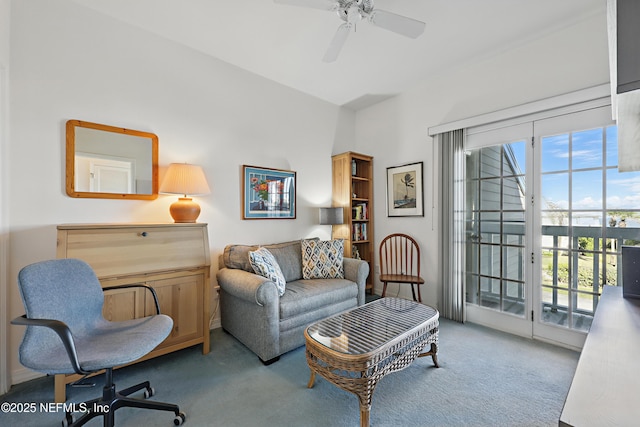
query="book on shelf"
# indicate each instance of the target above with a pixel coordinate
(359, 232)
(360, 212)
(356, 212)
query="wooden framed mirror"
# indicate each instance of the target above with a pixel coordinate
(108, 162)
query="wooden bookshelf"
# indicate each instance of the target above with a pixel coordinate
(353, 191)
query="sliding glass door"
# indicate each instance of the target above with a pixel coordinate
(496, 228)
(546, 215)
(587, 210)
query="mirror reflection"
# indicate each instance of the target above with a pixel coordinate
(109, 162)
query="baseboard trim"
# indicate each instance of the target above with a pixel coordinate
(215, 324)
(23, 374)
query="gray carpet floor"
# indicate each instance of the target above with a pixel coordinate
(486, 378)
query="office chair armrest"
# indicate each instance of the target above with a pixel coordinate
(137, 285)
(63, 332)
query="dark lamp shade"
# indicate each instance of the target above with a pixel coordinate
(331, 216)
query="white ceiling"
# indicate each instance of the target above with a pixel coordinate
(286, 43)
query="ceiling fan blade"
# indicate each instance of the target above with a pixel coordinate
(397, 23)
(336, 44)
(314, 4)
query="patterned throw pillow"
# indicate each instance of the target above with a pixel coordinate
(322, 259)
(265, 265)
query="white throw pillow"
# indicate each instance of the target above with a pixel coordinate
(264, 264)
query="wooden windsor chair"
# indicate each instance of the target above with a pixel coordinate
(400, 262)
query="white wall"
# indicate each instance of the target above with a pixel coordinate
(395, 131)
(72, 63)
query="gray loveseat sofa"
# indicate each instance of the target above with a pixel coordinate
(268, 324)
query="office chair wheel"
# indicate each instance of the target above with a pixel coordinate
(68, 419)
(179, 419)
(149, 392)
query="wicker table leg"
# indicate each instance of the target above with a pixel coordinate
(312, 379)
(364, 415)
(433, 353)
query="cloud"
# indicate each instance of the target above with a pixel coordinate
(588, 203)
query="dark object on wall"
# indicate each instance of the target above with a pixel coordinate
(628, 49)
(631, 272)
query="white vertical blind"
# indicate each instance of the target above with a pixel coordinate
(452, 230)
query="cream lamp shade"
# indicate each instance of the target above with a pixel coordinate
(188, 180)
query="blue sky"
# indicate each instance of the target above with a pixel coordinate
(591, 150)
(588, 150)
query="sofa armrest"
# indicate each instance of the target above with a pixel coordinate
(357, 271)
(247, 286)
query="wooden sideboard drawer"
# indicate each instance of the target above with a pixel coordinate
(118, 250)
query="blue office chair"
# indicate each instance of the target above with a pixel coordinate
(66, 333)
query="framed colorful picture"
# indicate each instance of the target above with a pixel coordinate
(268, 193)
(405, 193)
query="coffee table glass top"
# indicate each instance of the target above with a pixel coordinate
(368, 327)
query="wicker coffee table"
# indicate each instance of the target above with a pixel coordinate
(355, 349)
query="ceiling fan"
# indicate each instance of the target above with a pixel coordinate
(351, 12)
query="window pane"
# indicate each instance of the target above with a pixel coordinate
(472, 196)
(490, 161)
(555, 153)
(514, 159)
(591, 220)
(472, 165)
(490, 260)
(472, 283)
(490, 227)
(514, 239)
(555, 237)
(513, 264)
(490, 293)
(555, 269)
(515, 217)
(472, 259)
(587, 149)
(623, 190)
(514, 297)
(555, 191)
(555, 217)
(587, 190)
(490, 194)
(513, 189)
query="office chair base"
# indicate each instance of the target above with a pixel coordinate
(112, 400)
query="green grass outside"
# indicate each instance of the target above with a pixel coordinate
(585, 271)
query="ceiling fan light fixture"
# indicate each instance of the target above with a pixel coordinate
(353, 15)
(352, 12)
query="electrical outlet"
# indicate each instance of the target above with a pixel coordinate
(377, 268)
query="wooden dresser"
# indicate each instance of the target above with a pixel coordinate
(605, 386)
(172, 258)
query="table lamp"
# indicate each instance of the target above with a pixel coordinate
(331, 216)
(189, 180)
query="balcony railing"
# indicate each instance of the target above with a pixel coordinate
(573, 279)
(603, 254)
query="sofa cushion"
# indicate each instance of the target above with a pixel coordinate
(322, 259)
(237, 256)
(287, 254)
(289, 258)
(304, 296)
(264, 264)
